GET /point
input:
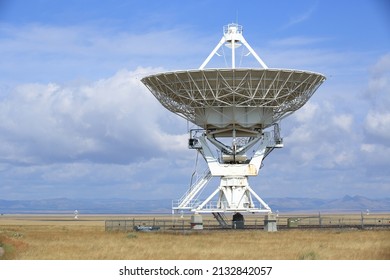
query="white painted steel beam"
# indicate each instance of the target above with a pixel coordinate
(233, 38)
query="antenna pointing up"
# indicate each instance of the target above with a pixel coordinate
(232, 38)
(235, 110)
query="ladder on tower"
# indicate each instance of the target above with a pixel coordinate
(188, 200)
(221, 218)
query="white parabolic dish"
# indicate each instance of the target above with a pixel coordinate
(239, 98)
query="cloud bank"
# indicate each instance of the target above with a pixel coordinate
(108, 132)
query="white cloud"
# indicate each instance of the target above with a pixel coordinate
(307, 112)
(343, 121)
(379, 84)
(378, 125)
(112, 120)
(377, 121)
(374, 147)
(319, 136)
(377, 157)
(304, 16)
(382, 66)
(37, 52)
(111, 134)
(297, 41)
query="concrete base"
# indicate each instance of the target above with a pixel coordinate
(270, 223)
(197, 222)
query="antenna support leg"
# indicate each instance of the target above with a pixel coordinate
(234, 193)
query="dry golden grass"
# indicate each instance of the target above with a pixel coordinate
(68, 239)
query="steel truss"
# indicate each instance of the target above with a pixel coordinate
(189, 93)
(234, 193)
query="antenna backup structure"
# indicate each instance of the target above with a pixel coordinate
(238, 111)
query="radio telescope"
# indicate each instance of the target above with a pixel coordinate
(237, 111)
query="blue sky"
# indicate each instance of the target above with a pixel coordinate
(75, 121)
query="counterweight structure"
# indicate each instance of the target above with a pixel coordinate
(237, 111)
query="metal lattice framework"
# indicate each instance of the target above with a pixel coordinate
(188, 93)
(231, 103)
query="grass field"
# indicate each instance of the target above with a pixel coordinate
(63, 238)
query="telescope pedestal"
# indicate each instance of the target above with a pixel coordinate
(234, 195)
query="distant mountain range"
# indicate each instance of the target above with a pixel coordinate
(86, 206)
(345, 204)
(163, 206)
